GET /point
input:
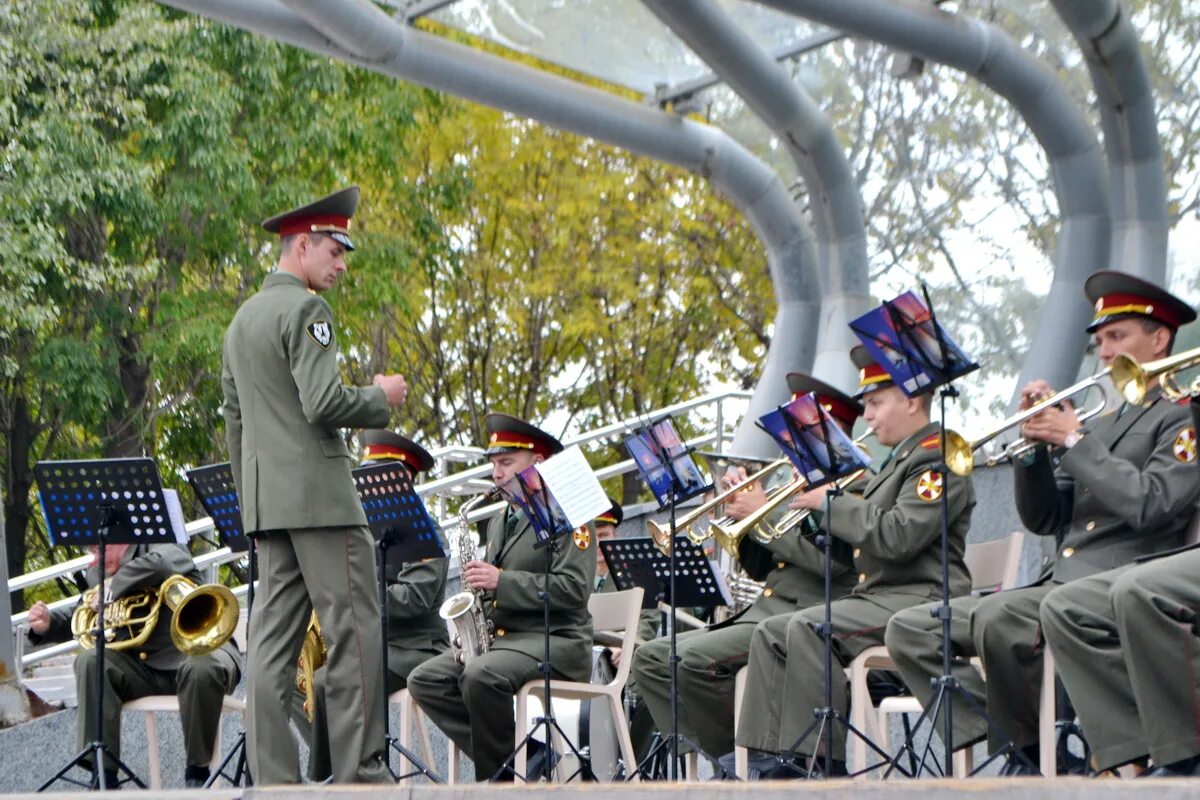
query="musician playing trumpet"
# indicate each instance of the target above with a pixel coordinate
(893, 530)
(473, 704)
(793, 571)
(1123, 487)
(154, 667)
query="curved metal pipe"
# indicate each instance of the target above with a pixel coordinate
(989, 55)
(356, 32)
(1133, 148)
(837, 206)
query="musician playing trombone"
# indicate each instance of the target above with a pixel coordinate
(1122, 488)
(473, 705)
(793, 571)
(155, 667)
(894, 529)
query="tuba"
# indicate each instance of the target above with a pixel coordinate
(203, 617)
(464, 611)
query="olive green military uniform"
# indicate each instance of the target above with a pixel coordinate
(1121, 493)
(1126, 646)
(416, 633)
(474, 706)
(157, 667)
(793, 571)
(284, 404)
(895, 530)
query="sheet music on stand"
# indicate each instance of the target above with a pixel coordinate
(213, 484)
(637, 561)
(904, 336)
(396, 513)
(816, 445)
(666, 463)
(558, 495)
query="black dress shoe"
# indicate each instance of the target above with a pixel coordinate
(195, 777)
(1186, 768)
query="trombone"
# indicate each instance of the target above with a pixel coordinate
(661, 532)
(1132, 380)
(729, 533)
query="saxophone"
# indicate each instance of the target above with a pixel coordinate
(473, 632)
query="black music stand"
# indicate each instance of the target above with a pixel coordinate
(671, 472)
(549, 526)
(214, 486)
(117, 500)
(908, 341)
(823, 455)
(404, 532)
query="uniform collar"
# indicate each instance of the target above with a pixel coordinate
(905, 448)
(280, 278)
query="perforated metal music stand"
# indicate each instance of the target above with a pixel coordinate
(404, 532)
(215, 487)
(95, 502)
(637, 561)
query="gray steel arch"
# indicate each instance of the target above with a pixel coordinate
(358, 33)
(837, 206)
(1136, 174)
(989, 55)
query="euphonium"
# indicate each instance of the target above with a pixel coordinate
(313, 656)
(661, 532)
(473, 632)
(203, 617)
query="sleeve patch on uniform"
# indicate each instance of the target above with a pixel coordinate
(1185, 445)
(321, 333)
(929, 486)
(582, 537)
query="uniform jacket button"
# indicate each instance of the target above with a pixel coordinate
(781, 564)
(768, 592)
(858, 552)
(1091, 526)
(1068, 552)
(862, 577)
(143, 655)
(500, 631)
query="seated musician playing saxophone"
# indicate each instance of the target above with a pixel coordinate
(154, 667)
(710, 658)
(473, 704)
(416, 633)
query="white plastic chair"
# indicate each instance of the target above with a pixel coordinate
(410, 715)
(993, 566)
(612, 611)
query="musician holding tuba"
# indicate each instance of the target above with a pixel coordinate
(894, 532)
(1123, 487)
(473, 704)
(132, 576)
(793, 571)
(416, 633)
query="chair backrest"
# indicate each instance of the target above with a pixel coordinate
(239, 632)
(995, 564)
(618, 611)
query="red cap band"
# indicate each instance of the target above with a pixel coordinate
(314, 223)
(1110, 305)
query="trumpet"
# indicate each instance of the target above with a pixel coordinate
(1138, 377)
(729, 534)
(1131, 379)
(661, 533)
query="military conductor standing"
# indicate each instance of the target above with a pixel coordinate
(284, 404)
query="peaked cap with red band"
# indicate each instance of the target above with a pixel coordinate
(613, 516)
(381, 445)
(843, 407)
(330, 215)
(507, 434)
(1119, 295)
(871, 375)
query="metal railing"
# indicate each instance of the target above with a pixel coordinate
(460, 484)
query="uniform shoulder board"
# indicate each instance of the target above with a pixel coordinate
(1183, 401)
(931, 442)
